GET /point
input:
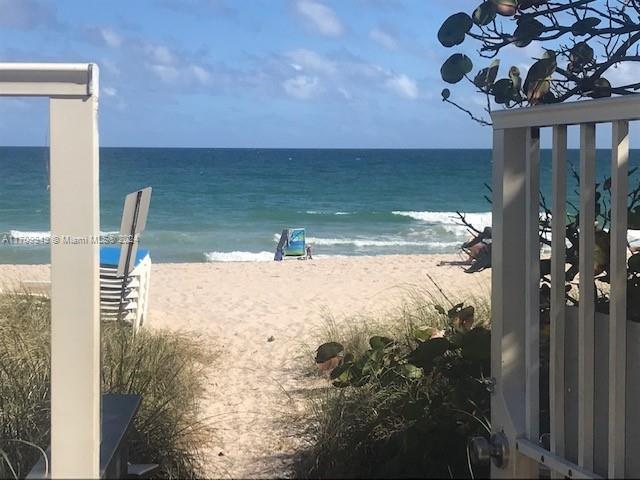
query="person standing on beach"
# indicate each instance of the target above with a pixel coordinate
(309, 256)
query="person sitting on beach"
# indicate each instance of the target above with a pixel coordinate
(479, 251)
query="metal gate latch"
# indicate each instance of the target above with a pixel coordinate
(496, 449)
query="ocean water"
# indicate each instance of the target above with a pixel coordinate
(231, 204)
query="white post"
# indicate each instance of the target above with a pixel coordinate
(508, 365)
(586, 308)
(75, 320)
(618, 308)
(558, 295)
(532, 286)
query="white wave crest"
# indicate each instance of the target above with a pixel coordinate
(239, 256)
(633, 236)
(373, 242)
(320, 212)
(478, 220)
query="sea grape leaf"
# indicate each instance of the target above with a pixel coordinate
(328, 351)
(584, 26)
(455, 310)
(484, 14)
(427, 352)
(340, 371)
(503, 91)
(537, 83)
(380, 343)
(580, 55)
(410, 372)
(454, 29)
(455, 68)
(634, 263)
(487, 76)
(601, 88)
(423, 333)
(476, 345)
(527, 31)
(506, 8)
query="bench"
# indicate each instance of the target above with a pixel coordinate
(118, 413)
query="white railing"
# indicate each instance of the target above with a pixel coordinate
(516, 302)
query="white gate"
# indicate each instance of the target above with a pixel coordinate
(591, 428)
(72, 90)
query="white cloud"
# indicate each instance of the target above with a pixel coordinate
(27, 14)
(302, 86)
(403, 85)
(200, 74)
(623, 74)
(320, 17)
(383, 38)
(109, 66)
(111, 38)
(160, 54)
(109, 92)
(309, 60)
(166, 73)
(345, 93)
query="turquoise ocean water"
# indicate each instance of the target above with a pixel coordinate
(231, 204)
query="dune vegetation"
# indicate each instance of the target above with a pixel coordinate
(166, 368)
(405, 394)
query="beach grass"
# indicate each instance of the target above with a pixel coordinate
(365, 432)
(166, 368)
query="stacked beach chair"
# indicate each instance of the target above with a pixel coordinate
(132, 292)
(125, 270)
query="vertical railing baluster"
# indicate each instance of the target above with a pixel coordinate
(618, 306)
(532, 286)
(586, 311)
(558, 299)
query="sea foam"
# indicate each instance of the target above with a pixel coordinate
(478, 220)
(239, 256)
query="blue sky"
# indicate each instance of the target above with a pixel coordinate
(250, 73)
(244, 73)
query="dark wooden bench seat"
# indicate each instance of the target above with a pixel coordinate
(118, 413)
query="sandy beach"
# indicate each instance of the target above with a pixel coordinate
(263, 318)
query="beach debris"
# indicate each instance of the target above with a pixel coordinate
(271, 339)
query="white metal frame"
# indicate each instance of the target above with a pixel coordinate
(75, 322)
(515, 299)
